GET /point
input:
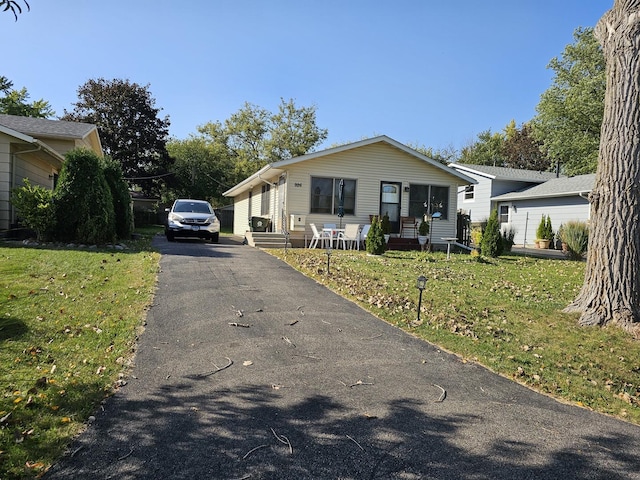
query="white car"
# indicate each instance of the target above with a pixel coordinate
(192, 218)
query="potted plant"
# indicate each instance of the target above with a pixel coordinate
(544, 233)
(423, 232)
(385, 224)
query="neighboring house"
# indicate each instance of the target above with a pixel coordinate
(475, 200)
(34, 148)
(378, 175)
(563, 199)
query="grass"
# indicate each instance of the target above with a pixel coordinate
(505, 314)
(69, 320)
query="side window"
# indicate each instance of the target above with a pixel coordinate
(469, 192)
(503, 213)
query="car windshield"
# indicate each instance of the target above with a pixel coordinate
(192, 207)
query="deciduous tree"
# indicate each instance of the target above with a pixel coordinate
(569, 114)
(15, 102)
(521, 150)
(611, 290)
(203, 169)
(130, 128)
(486, 150)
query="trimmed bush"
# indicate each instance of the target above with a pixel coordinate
(576, 235)
(385, 224)
(507, 238)
(121, 198)
(491, 244)
(82, 200)
(545, 230)
(375, 238)
(423, 229)
(35, 208)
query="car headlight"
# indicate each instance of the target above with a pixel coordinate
(211, 219)
(175, 218)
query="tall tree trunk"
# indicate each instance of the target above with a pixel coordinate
(611, 290)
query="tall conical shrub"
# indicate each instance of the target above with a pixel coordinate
(375, 238)
(491, 245)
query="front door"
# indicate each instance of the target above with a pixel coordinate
(390, 203)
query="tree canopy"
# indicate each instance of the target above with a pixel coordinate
(222, 154)
(130, 129)
(486, 150)
(570, 112)
(15, 102)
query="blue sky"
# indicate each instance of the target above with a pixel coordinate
(424, 72)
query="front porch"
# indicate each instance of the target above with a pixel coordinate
(299, 240)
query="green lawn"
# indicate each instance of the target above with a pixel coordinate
(69, 320)
(504, 313)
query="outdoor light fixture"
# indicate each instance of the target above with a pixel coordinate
(329, 257)
(421, 283)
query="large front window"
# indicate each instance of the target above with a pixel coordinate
(325, 195)
(427, 200)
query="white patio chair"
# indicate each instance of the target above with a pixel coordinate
(363, 235)
(351, 234)
(318, 235)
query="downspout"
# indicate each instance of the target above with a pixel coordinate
(585, 195)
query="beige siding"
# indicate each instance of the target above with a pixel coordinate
(5, 182)
(369, 165)
(241, 214)
(63, 146)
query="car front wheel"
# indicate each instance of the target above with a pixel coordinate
(171, 237)
(215, 238)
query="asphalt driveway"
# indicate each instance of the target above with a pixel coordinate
(306, 385)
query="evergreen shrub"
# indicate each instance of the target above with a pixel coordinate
(82, 200)
(491, 244)
(375, 238)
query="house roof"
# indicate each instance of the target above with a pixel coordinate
(556, 187)
(276, 168)
(504, 173)
(42, 127)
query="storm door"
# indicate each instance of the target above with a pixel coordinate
(390, 203)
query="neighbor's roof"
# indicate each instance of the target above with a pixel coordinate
(556, 187)
(504, 173)
(277, 167)
(42, 127)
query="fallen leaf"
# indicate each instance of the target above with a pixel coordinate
(247, 363)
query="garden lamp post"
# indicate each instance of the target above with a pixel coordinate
(421, 283)
(329, 257)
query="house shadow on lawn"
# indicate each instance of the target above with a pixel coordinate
(255, 432)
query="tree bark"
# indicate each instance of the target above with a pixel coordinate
(611, 290)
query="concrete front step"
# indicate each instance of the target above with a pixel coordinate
(266, 240)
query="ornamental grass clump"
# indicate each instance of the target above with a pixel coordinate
(576, 235)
